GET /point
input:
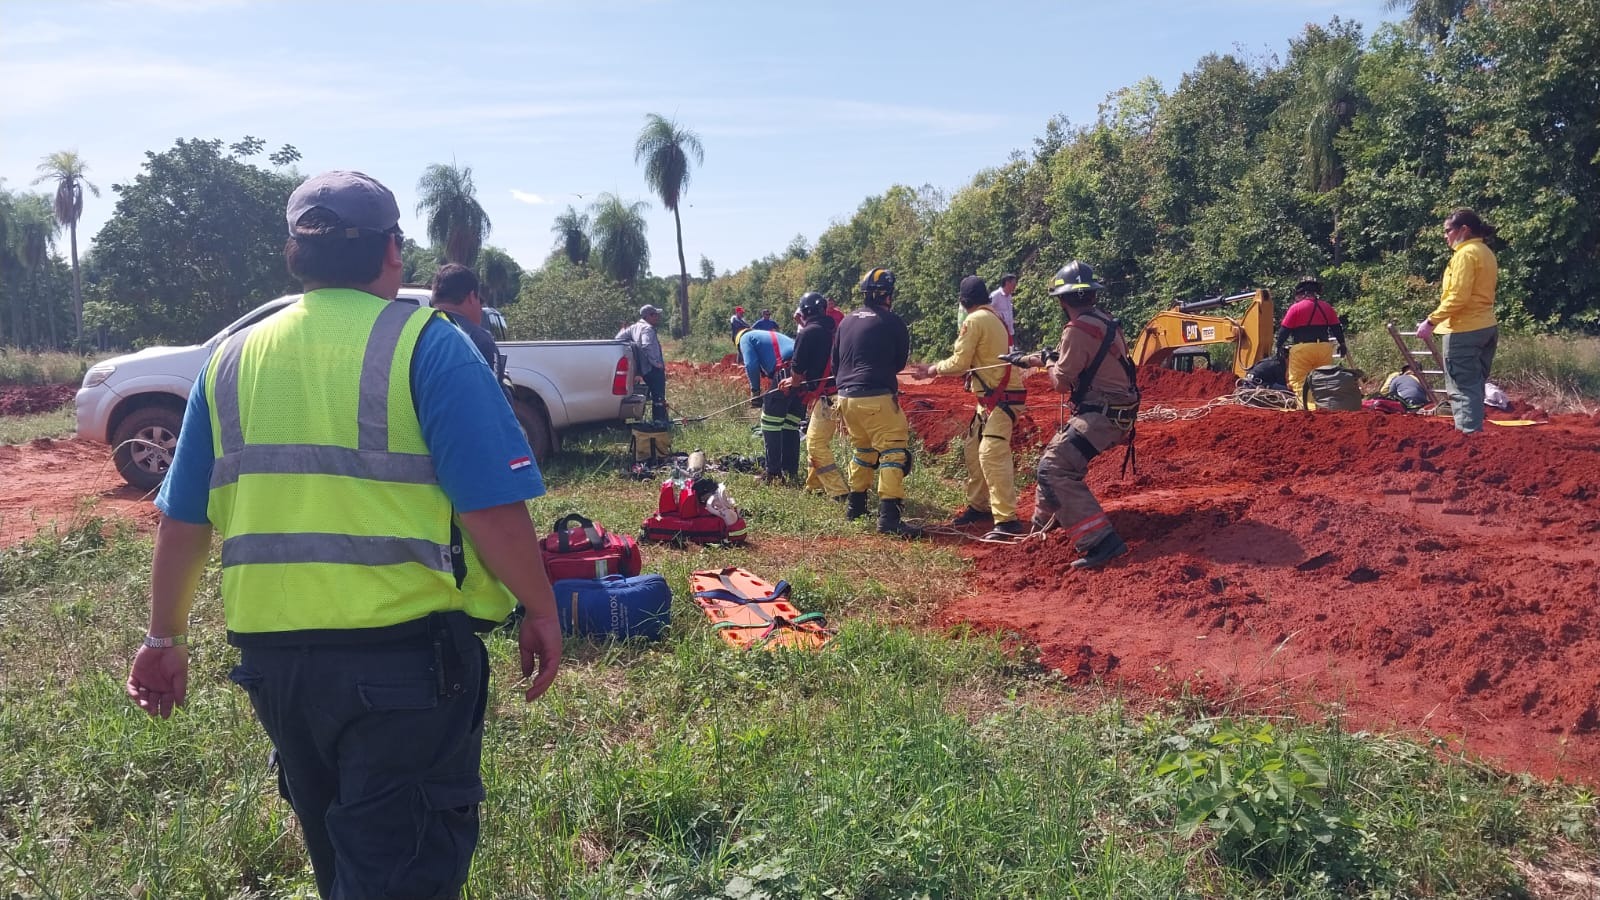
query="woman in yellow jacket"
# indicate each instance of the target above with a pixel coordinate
(1464, 318)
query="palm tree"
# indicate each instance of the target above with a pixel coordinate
(1326, 98)
(619, 238)
(1431, 18)
(456, 222)
(664, 148)
(572, 235)
(66, 168)
(36, 229)
(499, 277)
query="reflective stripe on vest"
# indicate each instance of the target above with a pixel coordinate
(319, 534)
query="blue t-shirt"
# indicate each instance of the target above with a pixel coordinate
(762, 352)
(467, 424)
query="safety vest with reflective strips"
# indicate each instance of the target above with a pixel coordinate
(323, 490)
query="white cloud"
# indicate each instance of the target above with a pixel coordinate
(165, 83)
(37, 33)
(526, 197)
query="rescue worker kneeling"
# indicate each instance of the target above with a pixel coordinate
(873, 346)
(991, 476)
(1091, 364)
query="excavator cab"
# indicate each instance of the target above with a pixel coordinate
(1179, 338)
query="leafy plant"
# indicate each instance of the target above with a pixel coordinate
(1264, 792)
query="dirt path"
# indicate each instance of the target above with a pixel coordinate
(49, 483)
(1384, 568)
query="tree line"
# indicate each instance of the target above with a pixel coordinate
(1341, 160)
(195, 240)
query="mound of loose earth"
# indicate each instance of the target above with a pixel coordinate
(27, 399)
(1409, 575)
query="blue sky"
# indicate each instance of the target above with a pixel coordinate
(805, 109)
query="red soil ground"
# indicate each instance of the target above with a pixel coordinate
(1383, 567)
(27, 399)
(55, 484)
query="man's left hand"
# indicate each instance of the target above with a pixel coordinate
(921, 370)
(1425, 329)
(539, 642)
(159, 679)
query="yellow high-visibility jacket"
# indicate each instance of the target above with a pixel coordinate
(323, 490)
(1466, 301)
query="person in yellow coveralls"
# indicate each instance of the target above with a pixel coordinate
(991, 475)
(873, 346)
(813, 378)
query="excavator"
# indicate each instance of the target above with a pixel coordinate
(1177, 338)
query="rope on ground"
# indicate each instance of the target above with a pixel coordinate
(1036, 533)
(690, 420)
(1243, 395)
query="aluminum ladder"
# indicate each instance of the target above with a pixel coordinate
(1425, 362)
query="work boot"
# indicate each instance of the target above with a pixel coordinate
(971, 516)
(1110, 547)
(855, 505)
(1005, 530)
(889, 520)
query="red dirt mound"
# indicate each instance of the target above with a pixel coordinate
(1385, 567)
(27, 399)
(727, 366)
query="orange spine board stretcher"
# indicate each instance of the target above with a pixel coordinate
(748, 612)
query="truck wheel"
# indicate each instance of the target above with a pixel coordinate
(536, 425)
(144, 444)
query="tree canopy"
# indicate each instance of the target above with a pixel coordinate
(195, 241)
(1339, 160)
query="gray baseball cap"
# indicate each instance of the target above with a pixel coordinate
(359, 201)
(647, 309)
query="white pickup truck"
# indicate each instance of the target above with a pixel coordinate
(135, 403)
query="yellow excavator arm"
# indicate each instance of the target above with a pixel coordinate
(1191, 325)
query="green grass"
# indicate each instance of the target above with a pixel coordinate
(1557, 373)
(50, 367)
(899, 762)
(21, 429)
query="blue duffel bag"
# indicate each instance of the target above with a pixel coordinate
(615, 606)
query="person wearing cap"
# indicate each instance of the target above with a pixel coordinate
(991, 476)
(652, 363)
(764, 355)
(736, 323)
(369, 484)
(766, 322)
(455, 293)
(1000, 302)
(1092, 366)
(1308, 335)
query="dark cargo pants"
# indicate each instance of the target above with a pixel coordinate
(1062, 467)
(378, 748)
(1468, 357)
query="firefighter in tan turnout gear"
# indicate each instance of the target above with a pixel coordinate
(991, 476)
(1091, 365)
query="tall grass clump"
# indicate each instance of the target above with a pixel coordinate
(21, 429)
(47, 367)
(1558, 372)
